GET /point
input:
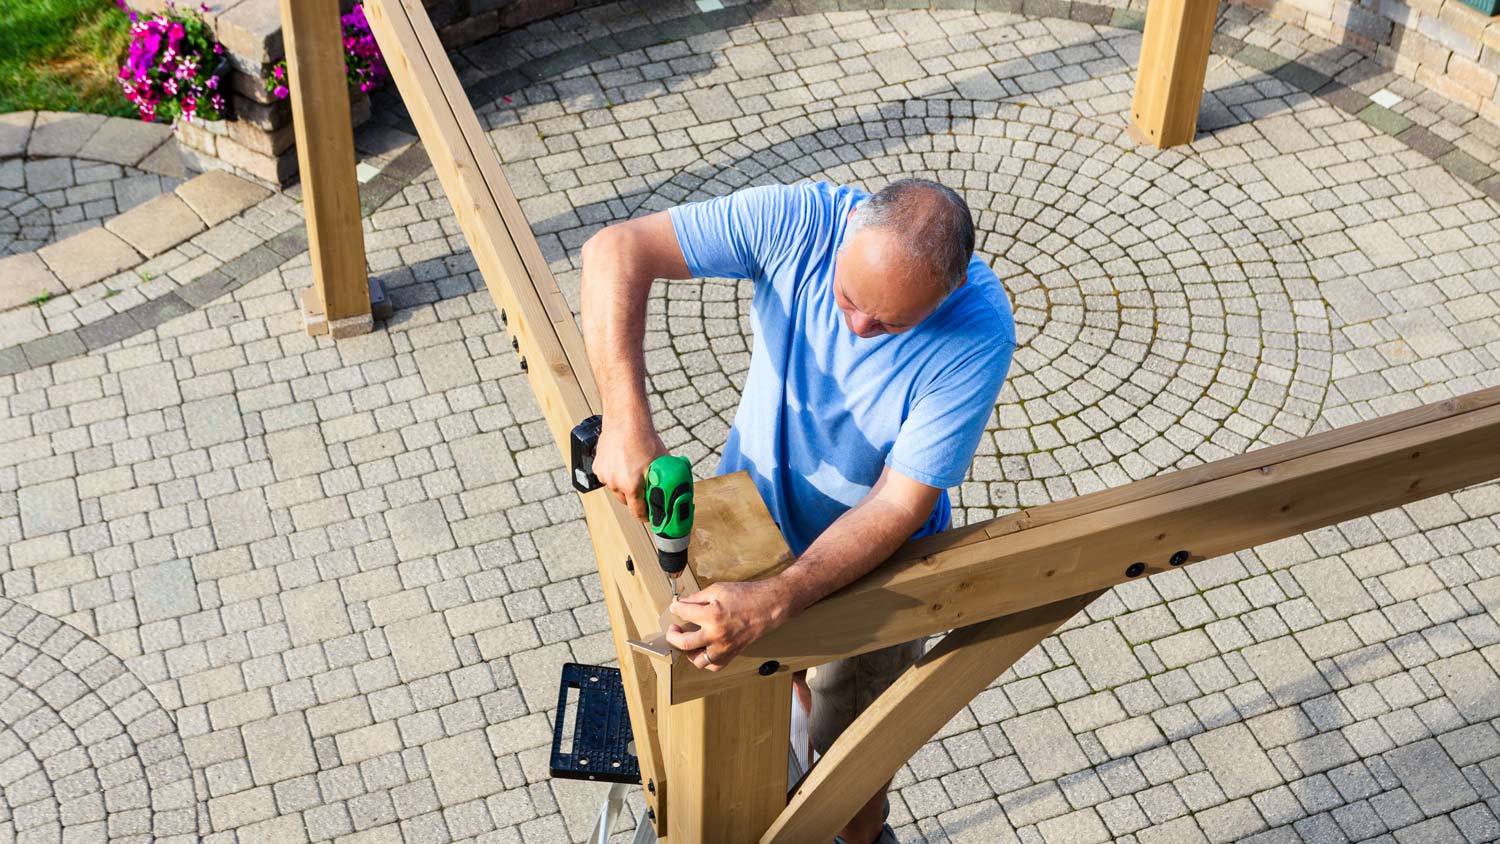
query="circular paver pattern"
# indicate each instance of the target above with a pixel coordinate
(86, 752)
(1157, 304)
(47, 199)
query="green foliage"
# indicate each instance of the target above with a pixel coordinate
(62, 55)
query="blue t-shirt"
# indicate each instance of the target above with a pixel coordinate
(824, 411)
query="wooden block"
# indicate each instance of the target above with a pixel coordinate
(734, 537)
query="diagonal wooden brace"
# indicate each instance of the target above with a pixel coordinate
(908, 714)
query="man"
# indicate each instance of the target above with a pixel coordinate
(880, 345)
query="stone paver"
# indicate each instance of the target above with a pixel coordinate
(279, 748)
(216, 196)
(213, 421)
(49, 507)
(150, 388)
(125, 141)
(315, 613)
(158, 225)
(165, 590)
(344, 575)
(463, 767)
(15, 131)
(240, 517)
(419, 530)
(421, 647)
(61, 133)
(1239, 766)
(91, 256)
(25, 277)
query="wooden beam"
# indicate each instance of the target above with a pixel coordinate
(908, 714)
(727, 762)
(1185, 478)
(325, 156)
(1174, 62)
(1270, 494)
(519, 281)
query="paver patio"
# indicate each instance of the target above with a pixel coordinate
(326, 589)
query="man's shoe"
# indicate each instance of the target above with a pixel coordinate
(887, 836)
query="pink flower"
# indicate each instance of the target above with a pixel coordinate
(281, 92)
(212, 83)
(279, 72)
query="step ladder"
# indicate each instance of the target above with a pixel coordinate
(599, 746)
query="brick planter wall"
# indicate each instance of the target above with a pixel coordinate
(1442, 45)
(260, 142)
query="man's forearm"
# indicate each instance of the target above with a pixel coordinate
(861, 539)
(613, 297)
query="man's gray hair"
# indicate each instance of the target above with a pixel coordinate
(934, 223)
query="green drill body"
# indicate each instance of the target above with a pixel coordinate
(669, 505)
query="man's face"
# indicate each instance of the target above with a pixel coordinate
(878, 288)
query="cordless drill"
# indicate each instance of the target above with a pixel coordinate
(669, 510)
(669, 495)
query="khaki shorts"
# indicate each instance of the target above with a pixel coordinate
(842, 689)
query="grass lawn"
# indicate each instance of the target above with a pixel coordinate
(62, 55)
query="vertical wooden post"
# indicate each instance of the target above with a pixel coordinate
(1174, 61)
(339, 300)
(726, 762)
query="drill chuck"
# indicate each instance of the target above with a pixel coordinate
(672, 552)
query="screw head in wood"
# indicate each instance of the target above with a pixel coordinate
(1179, 558)
(1135, 570)
(651, 786)
(630, 565)
(769, 667)
(523, 364)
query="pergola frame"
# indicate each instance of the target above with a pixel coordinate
(713, 746)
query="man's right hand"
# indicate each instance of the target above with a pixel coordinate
(624, 452)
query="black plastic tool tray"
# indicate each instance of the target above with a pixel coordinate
(600, 748)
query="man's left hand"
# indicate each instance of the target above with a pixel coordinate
(729, 617)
